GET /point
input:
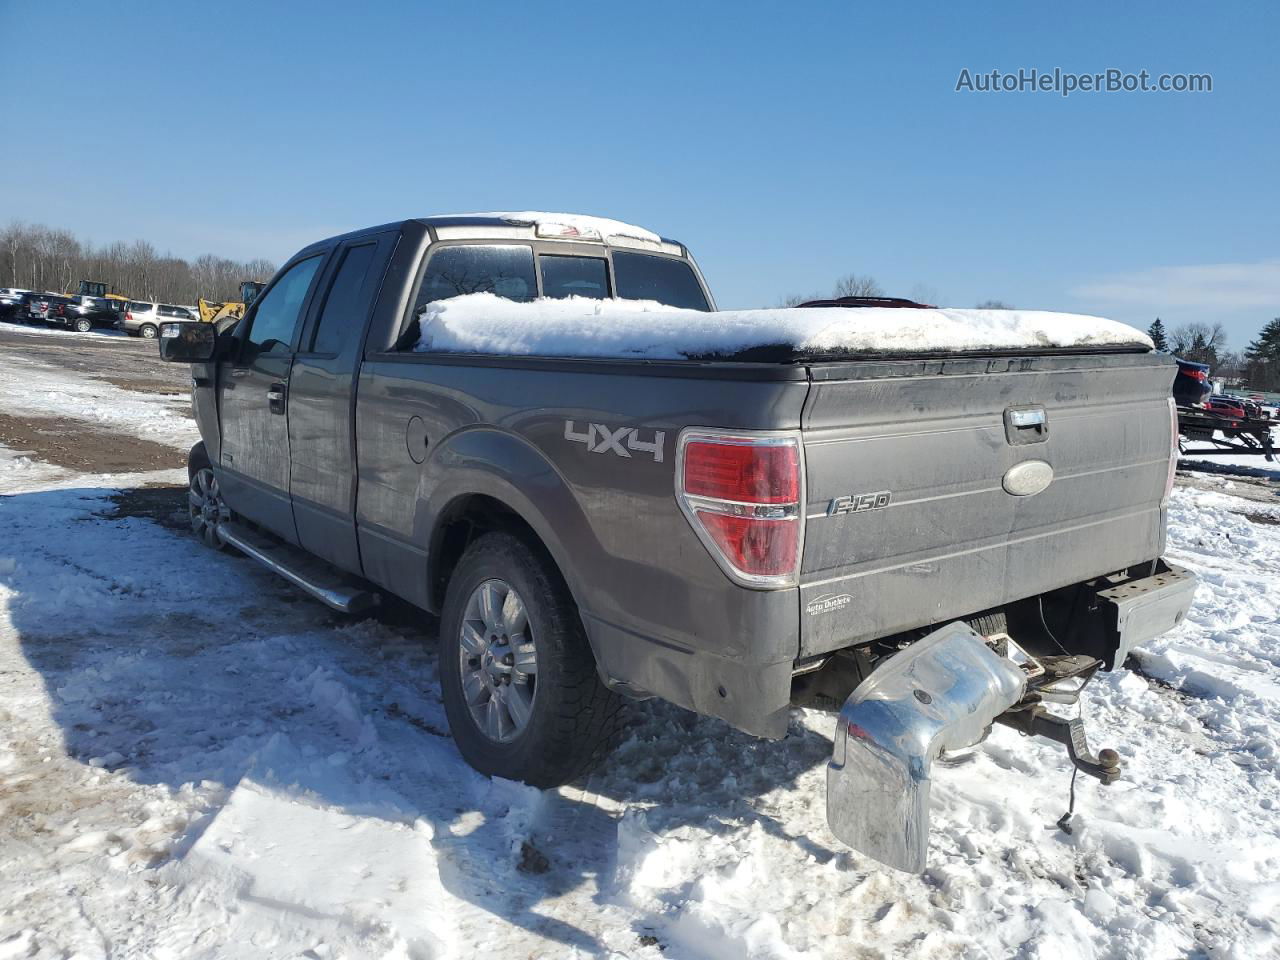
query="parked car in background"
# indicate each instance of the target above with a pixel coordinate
(82, 312)
(40, 307)
(1226, 407)
(142, 317)
(1191, 385)
(10, 297)
(1251, 409)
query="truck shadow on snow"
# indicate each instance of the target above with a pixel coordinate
(167, 663)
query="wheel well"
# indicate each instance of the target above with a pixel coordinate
(465, 519)
(197, 458)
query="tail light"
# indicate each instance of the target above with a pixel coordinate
(1173, 451)
(744, 496)
(128, 316)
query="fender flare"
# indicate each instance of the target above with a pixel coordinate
(489, 462)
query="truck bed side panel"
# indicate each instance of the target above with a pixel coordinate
(662, 617)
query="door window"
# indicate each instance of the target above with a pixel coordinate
(275, 320)
(340, 319)
(574, 277)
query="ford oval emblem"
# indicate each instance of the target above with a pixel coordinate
(1028, 478)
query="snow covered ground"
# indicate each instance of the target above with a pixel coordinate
(197, 761)
(32, 388)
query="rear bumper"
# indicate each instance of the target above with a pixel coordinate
(942, 692)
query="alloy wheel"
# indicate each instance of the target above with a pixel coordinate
(207, 508)
(498, 660)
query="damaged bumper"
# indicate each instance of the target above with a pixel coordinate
(1138, 610)
(942, 692)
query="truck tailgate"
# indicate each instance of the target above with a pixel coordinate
(907, 467)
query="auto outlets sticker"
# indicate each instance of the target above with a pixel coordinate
(827, 604)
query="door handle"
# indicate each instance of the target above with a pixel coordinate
(275, 397)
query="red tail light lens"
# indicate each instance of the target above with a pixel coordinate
(749, 473)
(743, 495)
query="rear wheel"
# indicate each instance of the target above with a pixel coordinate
(205, 506)
(517, 675)
(147, 331)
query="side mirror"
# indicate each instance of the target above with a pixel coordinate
(187, 342)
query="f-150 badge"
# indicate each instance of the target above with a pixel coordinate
(856, 503)
(621, 442)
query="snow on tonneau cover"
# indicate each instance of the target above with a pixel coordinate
(629, 329)
(908, 462)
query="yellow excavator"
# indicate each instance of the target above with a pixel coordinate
(96, 288)
(228, 310)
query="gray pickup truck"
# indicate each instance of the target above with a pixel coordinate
(925, 544)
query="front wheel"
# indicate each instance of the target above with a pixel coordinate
(517, 675)
(205, 506)
(83, 326)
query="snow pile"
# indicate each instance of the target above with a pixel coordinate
(601, 226)
(584, 327)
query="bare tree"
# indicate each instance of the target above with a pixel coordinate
(1199, 342)
(40, 258)
(852, 285)
(993, 305)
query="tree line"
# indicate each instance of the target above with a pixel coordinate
(37, 257)
(1257, 366)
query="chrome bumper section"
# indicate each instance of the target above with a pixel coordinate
(942, 692)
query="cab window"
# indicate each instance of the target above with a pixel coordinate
(503, 269)
(574, 276)
(668, 280)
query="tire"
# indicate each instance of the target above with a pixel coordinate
(205, 507)
(83, 326)
(147, 331)
(570, 719)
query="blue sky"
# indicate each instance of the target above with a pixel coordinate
(787, 144)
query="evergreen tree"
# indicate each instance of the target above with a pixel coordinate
(1156, 333)
(1267, 346)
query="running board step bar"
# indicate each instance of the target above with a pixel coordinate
(328, 585)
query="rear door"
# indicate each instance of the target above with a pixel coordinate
(252, 401)
(322, 481)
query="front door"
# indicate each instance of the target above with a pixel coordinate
(253, 389)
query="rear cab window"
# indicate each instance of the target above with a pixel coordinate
(572, 276)
(514, 271)
(640, 276)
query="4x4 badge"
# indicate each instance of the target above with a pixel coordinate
(620, 442)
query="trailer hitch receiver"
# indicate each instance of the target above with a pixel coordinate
(942, 692)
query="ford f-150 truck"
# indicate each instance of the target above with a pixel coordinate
(928, 536)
